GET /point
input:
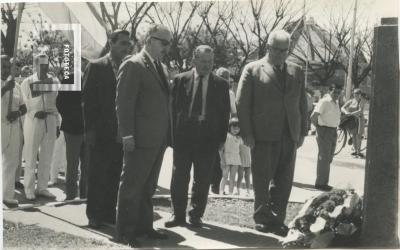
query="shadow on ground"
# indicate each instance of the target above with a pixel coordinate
(239, 239)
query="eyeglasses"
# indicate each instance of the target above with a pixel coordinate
(163, 41)
(280, 50)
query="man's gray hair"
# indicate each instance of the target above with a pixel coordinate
(202, 49)
(223, 72)
(278, 35)
(153, 29)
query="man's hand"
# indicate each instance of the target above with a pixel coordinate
(249, 141)
(300, 142)
(13, 115)
(90, 138)
(128, 144)
(41, 115)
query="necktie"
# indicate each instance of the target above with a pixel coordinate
(198, 99)
(160, 72)
(281, 76)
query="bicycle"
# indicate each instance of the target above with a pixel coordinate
(343, 138)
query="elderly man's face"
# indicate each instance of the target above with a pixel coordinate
(204, 63)
(278, 51)
(5, 68)
(160, 43)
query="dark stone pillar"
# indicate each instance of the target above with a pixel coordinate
(380, 225)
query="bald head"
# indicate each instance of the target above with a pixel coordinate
(278, 36)
(278, 47)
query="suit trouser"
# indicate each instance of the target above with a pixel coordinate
(138, 183)
(273, 161)
(105, 162)
(11, 141)
(36, 139)
(217, 173)
(202, 156)
(75, 152)
(326, 140)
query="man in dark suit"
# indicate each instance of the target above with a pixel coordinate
(201, 114)
(145, 125)
(100, 122)
(272, 111)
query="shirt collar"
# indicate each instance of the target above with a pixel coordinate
(196, 75)
(148, 55)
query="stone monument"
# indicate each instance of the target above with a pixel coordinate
(380, 224)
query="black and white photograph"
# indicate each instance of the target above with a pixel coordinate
(236, 124)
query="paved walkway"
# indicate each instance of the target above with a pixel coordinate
(71, 219)
(346, 172)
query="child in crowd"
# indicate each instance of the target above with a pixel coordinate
(245, 157)
(230, 156)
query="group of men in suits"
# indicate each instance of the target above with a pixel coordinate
(133, 113)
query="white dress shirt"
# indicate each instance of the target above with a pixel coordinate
(329, 112)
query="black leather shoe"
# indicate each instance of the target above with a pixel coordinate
(175, 222)
(196, 222)
(323, 187)
(95, 224)
(280, 230)
(155, 235)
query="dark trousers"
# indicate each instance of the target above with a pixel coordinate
(217, 174)
(202, 156)
(139, 179)
(75, 153)
(273, 161)
(105, 165)
(326, 140)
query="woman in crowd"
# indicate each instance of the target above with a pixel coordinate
(355, 108)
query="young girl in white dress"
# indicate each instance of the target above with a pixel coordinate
(230, 156)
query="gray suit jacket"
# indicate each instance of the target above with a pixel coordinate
(263, 102)
(143, 102)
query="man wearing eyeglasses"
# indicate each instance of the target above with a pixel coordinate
(145, 125)
(100, 135)
(272, 111)
(201, 113)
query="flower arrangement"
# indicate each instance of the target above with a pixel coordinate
(329, 216)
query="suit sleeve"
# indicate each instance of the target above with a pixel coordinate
(303, 105)
(91, 97)
(126, 98)
(244, 102)
(226, 108)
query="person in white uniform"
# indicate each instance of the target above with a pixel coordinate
(11, 131)
(40, 128)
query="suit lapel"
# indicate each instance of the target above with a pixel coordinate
(211, 89)
(110, 68)
(271, 73)
(151, 67)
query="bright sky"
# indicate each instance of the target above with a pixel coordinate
(369, 11)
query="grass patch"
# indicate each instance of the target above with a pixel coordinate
(234, 212)
(20, 236)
